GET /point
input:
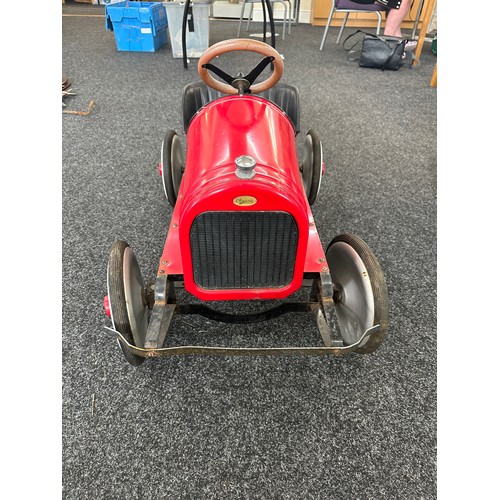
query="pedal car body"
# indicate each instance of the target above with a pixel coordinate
(242, 227)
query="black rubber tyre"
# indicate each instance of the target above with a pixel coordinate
(172, 162)
(311, 165)
(364, 295)
(117, 302)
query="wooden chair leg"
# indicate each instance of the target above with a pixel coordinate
(434, 78)
(427, 14)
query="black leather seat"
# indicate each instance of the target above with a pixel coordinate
(198, 94)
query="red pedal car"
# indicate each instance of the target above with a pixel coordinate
(242, 227)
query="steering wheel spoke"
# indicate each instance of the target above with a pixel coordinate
(254, 74)
(222, 74)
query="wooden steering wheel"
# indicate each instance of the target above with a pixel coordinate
(241, 83)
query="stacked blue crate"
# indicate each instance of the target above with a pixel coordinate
(138, 26)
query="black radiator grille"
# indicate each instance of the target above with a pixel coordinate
(243, 249)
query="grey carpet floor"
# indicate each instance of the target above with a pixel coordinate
(362, 426)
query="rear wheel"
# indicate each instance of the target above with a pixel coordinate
(172, 165)
(361, 300)
(311, 165)
(127, 299)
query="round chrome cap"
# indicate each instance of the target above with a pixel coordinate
(245, 167)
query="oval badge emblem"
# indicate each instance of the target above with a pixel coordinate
(245, 201)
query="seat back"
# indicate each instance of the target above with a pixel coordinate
(198, 94)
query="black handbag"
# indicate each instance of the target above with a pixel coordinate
(378, 51)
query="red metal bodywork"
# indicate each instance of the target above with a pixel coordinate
(220, 132)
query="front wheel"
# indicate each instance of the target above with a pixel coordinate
(361, 299)
(127, 300)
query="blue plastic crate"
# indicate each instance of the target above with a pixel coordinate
(138, 26)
